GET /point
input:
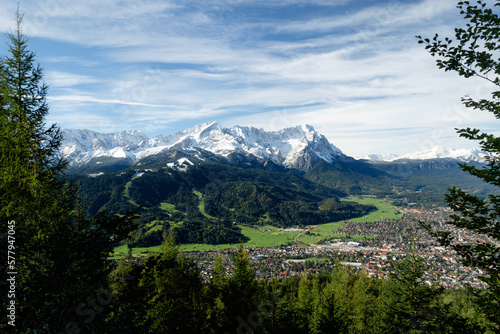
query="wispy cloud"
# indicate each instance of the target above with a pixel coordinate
(64, 79)
(77, 98)
(353, 69)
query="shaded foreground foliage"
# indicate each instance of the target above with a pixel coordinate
(473, 52)
(165, 293)
(54, 254)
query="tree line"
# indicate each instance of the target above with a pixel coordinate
(165, 293)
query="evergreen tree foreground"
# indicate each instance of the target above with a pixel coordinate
(474, 53)
(60, 257)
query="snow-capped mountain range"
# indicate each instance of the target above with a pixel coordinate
(436, 152)
(298, 147)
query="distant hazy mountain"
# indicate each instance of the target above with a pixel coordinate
(300, 147)
(436, 152)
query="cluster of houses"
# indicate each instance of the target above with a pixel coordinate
(393, 239)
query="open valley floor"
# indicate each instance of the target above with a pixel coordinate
(372, 246)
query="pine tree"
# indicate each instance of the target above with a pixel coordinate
(32, 192)
(170, 291)
(474, 53)
(60, 255)
(334, 308)
(243, 277)
(408, 307)
(242, 293)
(217, 295)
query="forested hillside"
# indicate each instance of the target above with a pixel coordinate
(204, 202)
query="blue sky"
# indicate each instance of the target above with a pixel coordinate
(352, 69)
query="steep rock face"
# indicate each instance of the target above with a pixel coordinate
(299, 147)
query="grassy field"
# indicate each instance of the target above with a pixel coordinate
(321, 232)
(127, 194)
(267, 236)
(262, 236)
(385, 209)
(201, 205)
(170, 208)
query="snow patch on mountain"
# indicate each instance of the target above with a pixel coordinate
(80, 146)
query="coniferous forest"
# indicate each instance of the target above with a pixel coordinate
(55, 251)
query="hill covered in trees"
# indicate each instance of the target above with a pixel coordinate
(204, 202)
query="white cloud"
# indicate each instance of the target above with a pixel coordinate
(82, 98)
(65, 79)
(73, 60)
(355, 73)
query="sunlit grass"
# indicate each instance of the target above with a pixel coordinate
(385, 209)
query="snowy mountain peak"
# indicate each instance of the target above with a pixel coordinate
(308, 128)
(299, 147)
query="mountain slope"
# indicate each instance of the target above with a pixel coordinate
(200, 199)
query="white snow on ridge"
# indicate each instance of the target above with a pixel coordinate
(288, 147)
(282, 147)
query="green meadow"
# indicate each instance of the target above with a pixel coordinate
(320, 232)
(385, 209)
(259, 236)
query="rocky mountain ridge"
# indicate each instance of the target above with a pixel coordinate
(298, 147)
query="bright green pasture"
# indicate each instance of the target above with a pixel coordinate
(120, 251)
(267, 236)
(261, 236)
(126, 193)
(385, 209)
(320, 232)
(201, 205)
(170, 208)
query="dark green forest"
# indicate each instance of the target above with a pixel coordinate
(228, 194)
(164, 293)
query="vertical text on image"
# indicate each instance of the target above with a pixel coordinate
(11, 272)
